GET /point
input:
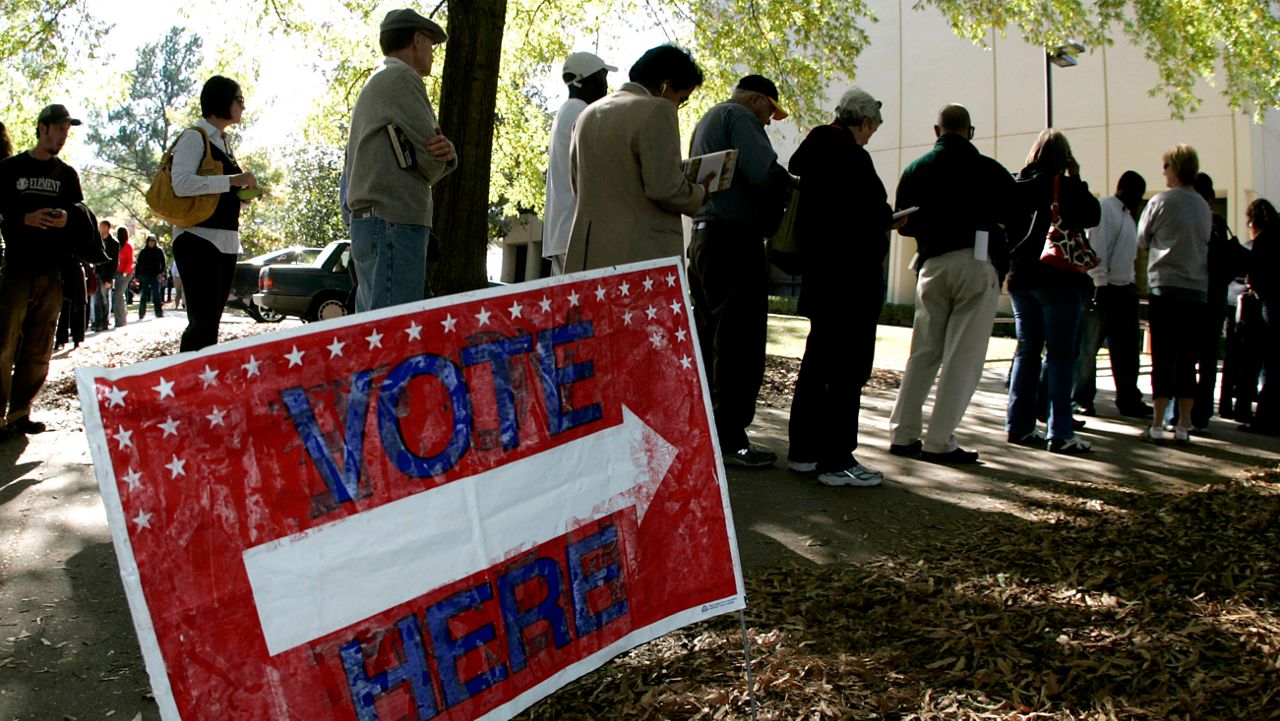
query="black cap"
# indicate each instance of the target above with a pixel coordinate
(409, 19)
(55, 114)
(764, 86)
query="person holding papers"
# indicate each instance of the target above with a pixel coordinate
(965, 200)
(1047, 301)
(728, 268)
(625, 167)
(844, 228)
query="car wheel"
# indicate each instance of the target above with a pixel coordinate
(326, 307)
(263, 314)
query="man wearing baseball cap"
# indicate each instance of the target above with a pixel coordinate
(395, 153)
(36, 192)
(587, 77)
(728, 267)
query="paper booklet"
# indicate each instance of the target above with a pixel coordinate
(401, 146)
(721, 163)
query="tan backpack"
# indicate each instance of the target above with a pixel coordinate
(183, 212)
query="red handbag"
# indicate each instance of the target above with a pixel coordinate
(1066, 248)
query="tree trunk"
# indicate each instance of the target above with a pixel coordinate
(468, 97)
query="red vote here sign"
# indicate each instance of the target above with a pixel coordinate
(444, 510)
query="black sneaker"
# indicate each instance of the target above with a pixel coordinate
(750, 457)
(956, 457)
(26, 426)
(1071, 445)
(909, 450)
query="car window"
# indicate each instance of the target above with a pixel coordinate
(308, 255)
(343, 259)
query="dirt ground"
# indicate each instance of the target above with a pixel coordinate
(68, 648)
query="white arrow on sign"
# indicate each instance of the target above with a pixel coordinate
(313, 583)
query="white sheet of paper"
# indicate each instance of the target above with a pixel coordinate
(980, 245)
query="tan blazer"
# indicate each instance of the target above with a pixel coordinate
(625, 167)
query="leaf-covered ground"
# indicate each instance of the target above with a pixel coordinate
(1142, 607)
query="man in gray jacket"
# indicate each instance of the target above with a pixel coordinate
(395, 153)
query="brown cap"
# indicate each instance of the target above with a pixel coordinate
(55, 114)
(409, 19)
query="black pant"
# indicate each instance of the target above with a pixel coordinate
(1113, 317)
(71, 323)
(1269, 397)
(1175, 343)
(206, 284)
(838, 358)
(1210, 341)
(729, 286)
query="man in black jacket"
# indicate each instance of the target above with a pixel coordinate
(106, 277)
(966, 199)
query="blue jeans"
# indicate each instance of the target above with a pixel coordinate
(390, 261)
(1045, 318)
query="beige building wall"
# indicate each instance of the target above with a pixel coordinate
(915, 65)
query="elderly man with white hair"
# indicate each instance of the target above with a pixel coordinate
(844, 226)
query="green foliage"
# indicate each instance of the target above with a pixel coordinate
(1233, 43)
(311, 215)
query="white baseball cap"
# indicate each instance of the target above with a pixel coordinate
(581, 65)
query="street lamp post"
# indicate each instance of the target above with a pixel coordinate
(1064, 56)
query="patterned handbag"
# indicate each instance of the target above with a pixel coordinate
(1066, 248)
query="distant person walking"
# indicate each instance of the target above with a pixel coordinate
(966, 200)
(728, 268)
(391, 204)
(626, 167)
(1112, 314)
(150, 272)
(207, 252)
(1175, 228)
(106, 273)
(844, 226)
(587, 77)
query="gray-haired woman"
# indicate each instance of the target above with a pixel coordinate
(844, 228)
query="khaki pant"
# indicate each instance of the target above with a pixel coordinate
(956, 299)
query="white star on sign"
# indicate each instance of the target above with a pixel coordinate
(655, 337)
(170, 427)
(483, 316)
(215, 418)
(449, 323)
(375, 339)
(164, 389)
(545, 304)
(251, 368)
(143, 519)
(134, 479)
(675, 308)
(124, 438)
(573, 297)
(295, 358)
(600, 292)
(414, 330)
(335, 348)
(671, 280)
(681, 334)
(210, 377)
(686, 362)
(650, 312)
(648, 283)
(115, 397)
(626, 317)
(515, 310)
(625, 288)
(176, 467)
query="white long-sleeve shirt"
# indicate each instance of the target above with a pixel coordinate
(186, 161)
(1115, 240)
(561, 202)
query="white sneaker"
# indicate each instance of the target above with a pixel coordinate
(1156, 434)
(855, 475)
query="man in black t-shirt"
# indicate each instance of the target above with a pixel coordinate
(37, 190)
